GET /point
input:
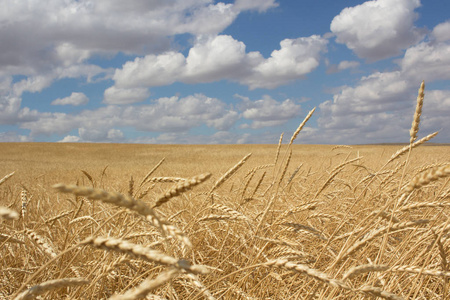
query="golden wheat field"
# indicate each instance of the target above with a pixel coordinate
(281, 221)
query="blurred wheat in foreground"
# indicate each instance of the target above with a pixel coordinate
(343, 226)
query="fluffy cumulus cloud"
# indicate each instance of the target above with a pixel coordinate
(435, 114)
(70, 139)
(174, 114)
(10, 136)
(345, 64)
(135, 26)
(378, 29)
(429, 61)
(151, 70)
(45, 36)
(296, 58)
(169, 117)
(214, 58)
(43, 44)
(168, 114)
(115, 95)
(267, 111)
(379, 108)
(359, 113)
(74, 99)
(442, 32)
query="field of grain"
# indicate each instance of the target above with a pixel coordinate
(281, 221)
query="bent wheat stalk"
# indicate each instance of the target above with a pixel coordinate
(147, 286)
(181, 188)
(128, 202)
(41, 288)
(143, 253)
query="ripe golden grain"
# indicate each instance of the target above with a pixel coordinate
(255, 245)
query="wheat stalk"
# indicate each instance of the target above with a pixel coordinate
(147, 286)
(181, 188)
(316, 274)
(144, 180)
(427, 177)
(417, 114)
(300, 127)
(278, 149)
(355, 271)
(43, 287)
(413, 145)
(229, 173)
(6, 177)
(143, 253)
(125, 201)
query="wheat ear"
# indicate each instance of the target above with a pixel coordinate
(415, 144)
(300, 268)
(426, 177)
(43, 287)
(6, 178)
(300, 127)
(378, 232)
(228, 174)
(147, 286)
(41, 242)
(417, 114)
(355, 271)
(151, 172)
(128, 202)
(181, 188)
(143, 253)
(278, 149)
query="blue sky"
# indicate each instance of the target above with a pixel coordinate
(203, 71)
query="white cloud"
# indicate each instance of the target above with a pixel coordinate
(51, 123)
(69, 54)
(222, 57)
(442, 32)
(115, 95)
(216, 58)
(11, 93)
(167, 115)
(219, 137)
(428, 61)
(345, 64)
(436, 112)
(115, 134)
(74, 99)
(32, 84)
(10, 136)
(210, 19)
(70, 139)
(377, 29)
(180, 114)
(100, 134)
(259, 5)
(151, 70)
(37, 38)
(296, 58)
(380, 107)
(11, 113)
(267, 111)
(225, 122)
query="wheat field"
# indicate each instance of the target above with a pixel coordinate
(281, 221)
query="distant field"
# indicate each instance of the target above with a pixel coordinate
(287, 222)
